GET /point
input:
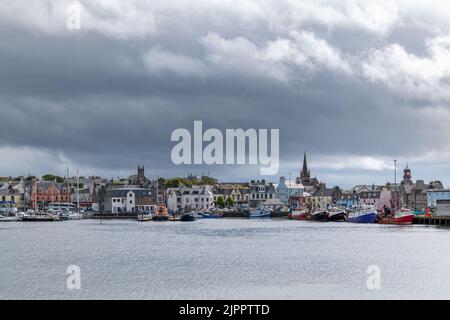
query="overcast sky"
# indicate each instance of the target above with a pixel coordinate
(355, 83)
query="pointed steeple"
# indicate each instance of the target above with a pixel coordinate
(304, 173)
(305, 165)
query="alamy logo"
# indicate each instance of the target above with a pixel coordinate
(74, 16)
(74, 279)
(236, 142)
(374, 280)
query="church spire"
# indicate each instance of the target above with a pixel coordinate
(304, 177)
(305, 165)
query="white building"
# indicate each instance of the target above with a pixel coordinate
(433, 195)
(129, 200)
(190, 198)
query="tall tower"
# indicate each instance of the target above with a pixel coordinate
(407, 175)
(305, 175)
(141, 174)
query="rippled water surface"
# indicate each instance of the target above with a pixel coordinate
(222, 259)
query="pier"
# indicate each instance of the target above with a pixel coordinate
(433, 220)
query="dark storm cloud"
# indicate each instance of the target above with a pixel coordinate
(109, 101)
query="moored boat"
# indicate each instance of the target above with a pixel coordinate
(298, 214)
(210, 215)
(402, 216)
(188, 217)
(259, 213)
(8, 218)
(32, 216)
(75, 216)
(363, 214)
(337, 214)
(319, 215)
(161, 214)
(144, 217)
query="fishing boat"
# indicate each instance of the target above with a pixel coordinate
(363, 214)
(319, 215)
(337, 214)
(298, 214)
(161, 214)
(402, 216)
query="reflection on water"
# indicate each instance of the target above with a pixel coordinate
(222, 259)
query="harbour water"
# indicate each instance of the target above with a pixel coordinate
(221, 259)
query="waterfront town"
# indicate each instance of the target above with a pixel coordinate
(137, 194)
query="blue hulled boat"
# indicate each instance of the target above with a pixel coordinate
(259, 213)
(364, 214)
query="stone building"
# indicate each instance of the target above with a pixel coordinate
(324, 197)
(44, 193)
(260, 191)
(414, 195)
(238, 192)
(139, 179)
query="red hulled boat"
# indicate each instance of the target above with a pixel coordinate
(298, 214)
(402, 216)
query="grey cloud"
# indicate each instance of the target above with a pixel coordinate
(92, 96)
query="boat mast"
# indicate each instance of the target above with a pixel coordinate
(68, 188)
(35, 194)
(395, 182)
(43, 198)
(78, 194)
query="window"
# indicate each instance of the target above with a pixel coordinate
(131, 201)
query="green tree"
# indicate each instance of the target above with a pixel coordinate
(49, 177)
(229, 202)
(220, 202)
(162, 181)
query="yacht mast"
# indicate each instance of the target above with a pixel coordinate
(78, 194)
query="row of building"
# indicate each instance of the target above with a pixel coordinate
(138, 193)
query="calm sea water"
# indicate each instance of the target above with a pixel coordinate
(221, 259)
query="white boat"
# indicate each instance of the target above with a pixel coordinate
(259, 213)
(6, 210)
(143, 217)
(35, 216)
(75, 216)
(8, 219)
